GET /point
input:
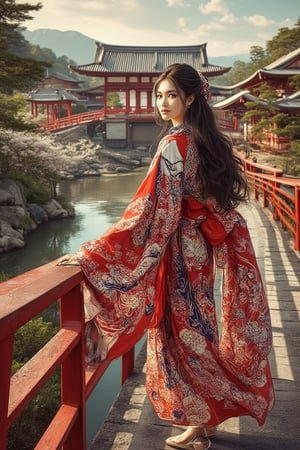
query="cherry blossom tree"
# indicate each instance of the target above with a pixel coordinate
(31, 154)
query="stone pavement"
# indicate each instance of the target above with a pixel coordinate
(132, 423)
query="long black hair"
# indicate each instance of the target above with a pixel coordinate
(220, 170)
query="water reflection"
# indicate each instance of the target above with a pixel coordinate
(98, 202)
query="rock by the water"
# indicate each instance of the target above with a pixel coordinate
(10, 239)
(54, 210)
(17, 218)
(37, 213)
(85, 158)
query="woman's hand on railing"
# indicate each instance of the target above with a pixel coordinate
(68, 260)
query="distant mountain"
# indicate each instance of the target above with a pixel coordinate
(72, 44)
(227, 61)
(82, 48)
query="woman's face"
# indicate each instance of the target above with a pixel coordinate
(170, 103)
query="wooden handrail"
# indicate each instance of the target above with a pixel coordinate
(75, 119)
(94, 116)
(281, 194)
(21, 299)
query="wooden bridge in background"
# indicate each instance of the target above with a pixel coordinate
(73, 120)
(25, 296)
(59, 124)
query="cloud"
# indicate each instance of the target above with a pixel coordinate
(229, 18)
(176, 3)
(258, 20)
(213, 6)
(182, 22)
(91, 7)
(216, 48)
(229, 27)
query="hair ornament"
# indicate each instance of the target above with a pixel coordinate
(204, 89)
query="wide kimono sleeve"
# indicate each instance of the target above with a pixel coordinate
(246, 338)
(123, 269)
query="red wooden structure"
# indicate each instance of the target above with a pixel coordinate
(73, 120)
(21, 299)
(50, 102)
(231, 108)
(128, 74)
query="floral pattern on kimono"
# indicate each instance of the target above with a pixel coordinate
(155, 270)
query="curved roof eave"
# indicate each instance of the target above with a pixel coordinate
(95, 69)
(236, 99)
(284, 59)
(51, 95)
(291, 102)
(262, 74)
(289, 105)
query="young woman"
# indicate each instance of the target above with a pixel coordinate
(154, 270)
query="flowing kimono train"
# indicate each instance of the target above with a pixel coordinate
(154, 270)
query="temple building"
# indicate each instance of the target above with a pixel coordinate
(278, 75)
(54, 96)
(128, 74)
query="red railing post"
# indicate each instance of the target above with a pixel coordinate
(6, 353)
(127, 364)
(297, 217)
(276, 190)
(73, 368)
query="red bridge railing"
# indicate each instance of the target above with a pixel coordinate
(21, 299)
(91, 116)
(71, 121)
(280, 194)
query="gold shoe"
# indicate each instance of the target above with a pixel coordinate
(191, 439)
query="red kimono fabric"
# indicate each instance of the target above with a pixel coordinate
(155, 270)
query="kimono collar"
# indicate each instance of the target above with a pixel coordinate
(181, 128)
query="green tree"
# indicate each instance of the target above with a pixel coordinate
(269, 118)
(27, 429)
(285, 41)
(239, 72)
(42, 54)
(113, 100)
(292, 165)
(13, 113)
(263, 111)
(18, 71)
(257, 54)
(295, 82)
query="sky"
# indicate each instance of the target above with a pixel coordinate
(229, 27)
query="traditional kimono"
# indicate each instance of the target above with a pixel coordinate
(155, 269)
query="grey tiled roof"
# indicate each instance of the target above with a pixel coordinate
(51, 95)
(63, 77)
(139, 59)
(226, 102)
(278, 69)
(284, 60)
(291, 102)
